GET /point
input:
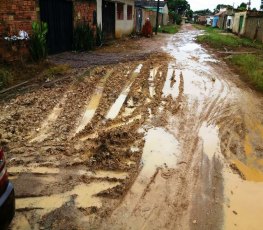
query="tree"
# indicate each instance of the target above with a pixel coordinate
(220, 6)
(179, 8)
(243, 6)
(203, 12)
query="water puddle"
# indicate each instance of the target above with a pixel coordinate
(211, 141)
(85, 197)
(172, 82)
(153, 73)
(93, 103)
(160, 149)
(105, 174)
(129, 109)
(116, 107)
(32, 169)
(244, 203)
(43, 132)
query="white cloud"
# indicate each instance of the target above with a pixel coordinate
(211, 4)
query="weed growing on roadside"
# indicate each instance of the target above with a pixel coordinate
(252, 66)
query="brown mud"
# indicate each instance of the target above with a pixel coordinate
(171, 141)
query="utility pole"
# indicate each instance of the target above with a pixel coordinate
(157, 17)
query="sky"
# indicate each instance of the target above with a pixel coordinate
(211, 4)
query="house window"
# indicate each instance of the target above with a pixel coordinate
(129, 12)
(120, 11)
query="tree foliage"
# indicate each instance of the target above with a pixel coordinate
(179, 8)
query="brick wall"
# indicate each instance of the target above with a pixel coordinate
(17, 15)
(83, 11)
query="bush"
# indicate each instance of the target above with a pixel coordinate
(38, 41)
(6, 78)
(83, 38)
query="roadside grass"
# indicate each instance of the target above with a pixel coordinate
(169, 29)
(219, 39)
(251, 66)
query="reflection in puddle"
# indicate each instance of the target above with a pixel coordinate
(129, 109)
(104, 174)
(211, 142)
(153, 73)
(93, 103)
(161, 148)
(116, 107)
(169, 87)
(32, 169)
(85, 197)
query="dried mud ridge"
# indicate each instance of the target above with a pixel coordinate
(145, 144)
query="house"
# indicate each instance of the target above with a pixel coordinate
(115, 17)
(209, 20)
(239, 23)
(148, 9)
(61, 16)
(254, 25)
(201, 20)
(215, 20)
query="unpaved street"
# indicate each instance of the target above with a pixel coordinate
(171, 140)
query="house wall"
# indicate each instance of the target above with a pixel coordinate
(229, 26)
(125, 26)
(99, 12)
(17, 15)
(235, 28)
(83, 12)
(254, 28)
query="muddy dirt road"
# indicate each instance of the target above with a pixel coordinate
(174, 141)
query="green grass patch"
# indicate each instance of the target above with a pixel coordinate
(169, 29)
(251, 66)
(217, 38)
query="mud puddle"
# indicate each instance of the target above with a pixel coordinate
(116, 107)
(93, 104)
(161, 149)
(172, 82)
(211, 141)
(153, 73)
(243, 202)
(85, 197)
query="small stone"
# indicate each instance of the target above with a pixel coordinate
(234, 212)
(194, 221)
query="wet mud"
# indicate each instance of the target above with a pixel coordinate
(168, 141)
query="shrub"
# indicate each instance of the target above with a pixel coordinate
(38, 41)
(6, 78)
(83, 38)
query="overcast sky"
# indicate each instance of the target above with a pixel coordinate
(211, 4)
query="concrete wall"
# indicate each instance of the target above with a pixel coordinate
(235, 28)
(125, 26)
(99, 12)
(254, 28)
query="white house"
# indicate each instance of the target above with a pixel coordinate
(115, 17)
